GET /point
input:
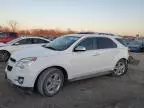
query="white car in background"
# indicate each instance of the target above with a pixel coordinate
(17, 44)
(70, 57)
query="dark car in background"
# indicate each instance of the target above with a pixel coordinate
(7, 36)
(133, 45)
(125, 41)
(136, 46)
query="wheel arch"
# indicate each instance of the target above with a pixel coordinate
(58, 67)
(6, 51)
(123, 59)
(118, 59)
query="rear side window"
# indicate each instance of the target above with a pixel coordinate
(105, 43)
(88, 43)
(39, 41)
(24, 41)
(42, 41)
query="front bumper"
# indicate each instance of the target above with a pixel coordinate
(19, 77)
(18, 87)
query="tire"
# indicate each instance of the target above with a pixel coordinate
(48, 80)
(4, 56)
(120, 68)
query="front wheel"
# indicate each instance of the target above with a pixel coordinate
(4, 56)
(50, 82)
(120, 68)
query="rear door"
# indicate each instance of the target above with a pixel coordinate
(106, 53)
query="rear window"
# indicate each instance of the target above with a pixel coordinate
(38, 41)
(122, 41)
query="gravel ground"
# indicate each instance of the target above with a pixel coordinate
(101, 92)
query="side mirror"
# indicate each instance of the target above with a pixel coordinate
(80, 48)
(16, 43)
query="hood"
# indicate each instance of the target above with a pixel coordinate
(37, 51)
(134, 46)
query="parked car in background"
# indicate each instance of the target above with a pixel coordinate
(136, 46)
(126, 43)
(141, 41)
(67, 58)
(133, 45)
(7, 36)
(17, 44)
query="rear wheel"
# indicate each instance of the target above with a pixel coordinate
(50, 82)
(120, 68)
(4, 56)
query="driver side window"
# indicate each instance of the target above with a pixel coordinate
(88, 43)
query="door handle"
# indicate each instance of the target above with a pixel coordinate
(96, 55)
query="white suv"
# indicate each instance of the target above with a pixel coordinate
(68, 58)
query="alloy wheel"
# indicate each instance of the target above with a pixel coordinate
(120, 68)
(53, 83)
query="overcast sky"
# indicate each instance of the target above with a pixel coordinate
(115, 16)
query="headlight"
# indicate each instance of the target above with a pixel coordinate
(25, 62)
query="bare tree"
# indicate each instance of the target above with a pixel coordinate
(13, 25)
(6, 29)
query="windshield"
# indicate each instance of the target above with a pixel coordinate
(62, 43)
(141, 41)
(13, 41)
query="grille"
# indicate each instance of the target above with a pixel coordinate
(9, 68)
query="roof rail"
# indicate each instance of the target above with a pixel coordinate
(99, 33)
(106, 34)
(86, 33)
